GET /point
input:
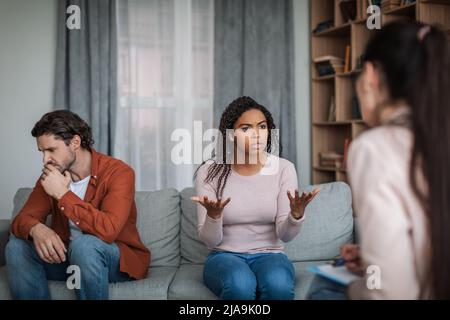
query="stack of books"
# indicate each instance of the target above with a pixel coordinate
(331, 159)
(387, 5)
(327, 65)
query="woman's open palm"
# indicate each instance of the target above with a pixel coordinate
(299, 203)
(213, 208)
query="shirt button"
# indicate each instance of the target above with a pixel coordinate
(78, 222)
(62, 208)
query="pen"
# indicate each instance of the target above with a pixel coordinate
(338, 262)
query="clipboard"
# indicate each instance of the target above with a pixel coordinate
(339, 275)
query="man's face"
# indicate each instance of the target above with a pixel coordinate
(56, 152)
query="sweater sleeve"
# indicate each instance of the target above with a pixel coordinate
(209, 230)
(287, 227)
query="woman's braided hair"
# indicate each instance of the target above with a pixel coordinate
(221, 169)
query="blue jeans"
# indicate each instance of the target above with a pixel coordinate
(97, 260)
(238, 276)
(324, 289)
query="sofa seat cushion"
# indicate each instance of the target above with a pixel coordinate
(155, 287)
(188, 284)
(158, 223)
(304, 278)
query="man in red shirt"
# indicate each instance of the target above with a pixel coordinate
(90, 197)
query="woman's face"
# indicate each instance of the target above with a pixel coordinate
(368, 89)
(251, 132)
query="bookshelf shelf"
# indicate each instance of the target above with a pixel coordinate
(335, 117)
(339, 31)
(435, 1)
(323, 78)
(405, 10)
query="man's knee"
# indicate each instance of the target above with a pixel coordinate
(85, 247)
(17, 250)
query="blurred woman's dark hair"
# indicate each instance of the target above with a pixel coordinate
(415, 66)
(64, 125)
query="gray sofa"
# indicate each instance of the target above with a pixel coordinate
(167, 225)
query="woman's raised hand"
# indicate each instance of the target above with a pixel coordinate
(299, 203)
(213, 208)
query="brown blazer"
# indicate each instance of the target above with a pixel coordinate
(108, 212)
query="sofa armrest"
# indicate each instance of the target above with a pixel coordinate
(4, 236)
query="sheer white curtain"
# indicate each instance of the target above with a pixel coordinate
(165, 83)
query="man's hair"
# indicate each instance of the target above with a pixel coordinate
(64, 125)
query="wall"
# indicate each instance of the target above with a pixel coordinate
(27, 55)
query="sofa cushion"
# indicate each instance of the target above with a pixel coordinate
(158, 223)
(328, 224)
(192, 248)
(188, 284)
(20, 198)
(154, 287)
(304, 278)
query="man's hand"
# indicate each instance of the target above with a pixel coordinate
(213, 208)
(54, 182)
(351, 254)
(298, 204)
(48, 244)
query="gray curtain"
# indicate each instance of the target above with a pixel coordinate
(254, 56)
(86, 67)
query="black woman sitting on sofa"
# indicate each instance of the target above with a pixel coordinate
(246, 207)
(399, 171)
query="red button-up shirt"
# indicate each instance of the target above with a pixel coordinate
(108, 212)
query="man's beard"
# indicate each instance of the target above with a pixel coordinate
(69, 163)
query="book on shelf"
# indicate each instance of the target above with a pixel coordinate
(328, 65)
(324, 25)
(331, 159)
(347, 58)
(387, 5)
(348, 10)
(356, 109)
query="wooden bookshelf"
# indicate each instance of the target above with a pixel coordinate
(330, 136)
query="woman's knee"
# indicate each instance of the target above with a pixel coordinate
(278, 284)
(228, 280)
